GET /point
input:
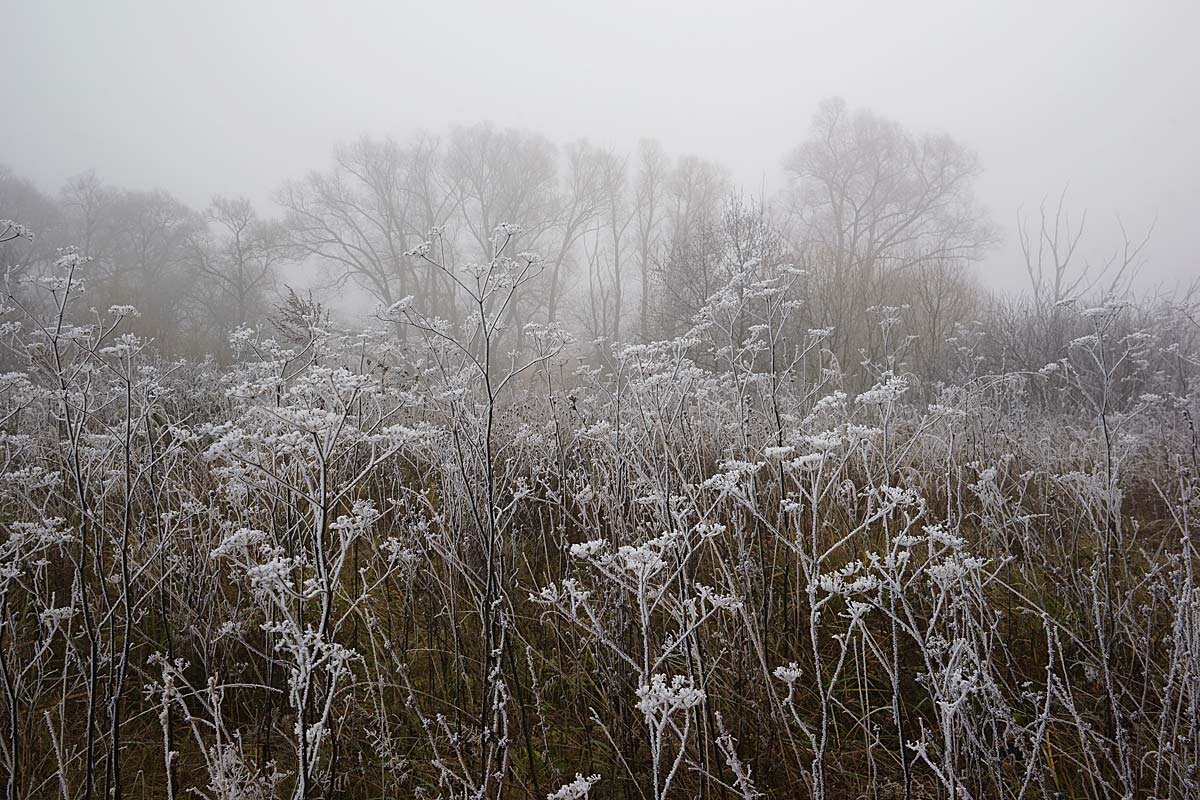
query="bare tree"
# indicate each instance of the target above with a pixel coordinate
(1057, 272)
(1037, 328)
(942, 295)
(83, 200)
(688, 265)
(139, 243)
(653, 171)
(607, 251)
(502, 176)
(361, 217)
(239, 263)
(578, 206)
(870, 198)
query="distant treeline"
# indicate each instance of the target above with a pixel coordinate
(631, 244)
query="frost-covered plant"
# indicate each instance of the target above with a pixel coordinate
(446, 558)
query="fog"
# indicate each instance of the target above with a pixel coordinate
(484, 401)
(236, 98)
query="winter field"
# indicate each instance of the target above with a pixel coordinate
(434, 559)
(618, 484)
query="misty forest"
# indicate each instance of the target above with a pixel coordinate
(477, 464)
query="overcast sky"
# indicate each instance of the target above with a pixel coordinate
(235, 97)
